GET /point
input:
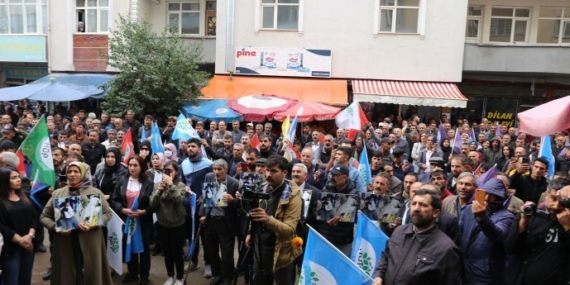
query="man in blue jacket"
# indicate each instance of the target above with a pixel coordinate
(194, 170)
(484, 229)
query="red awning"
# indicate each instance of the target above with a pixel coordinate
(437, 94)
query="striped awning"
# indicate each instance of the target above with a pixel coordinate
(435, 94)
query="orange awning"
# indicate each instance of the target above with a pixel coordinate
(328, 91)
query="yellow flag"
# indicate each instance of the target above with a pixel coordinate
(285, 127)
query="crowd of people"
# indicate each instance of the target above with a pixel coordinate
(251, 196)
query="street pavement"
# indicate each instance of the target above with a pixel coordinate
(157, 270)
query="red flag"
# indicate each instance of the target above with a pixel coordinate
(127, 147)
(352, 134)
(321, 138)
(21, 165)
(363, 120)
(254, 142)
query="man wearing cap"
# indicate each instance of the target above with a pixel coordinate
(342, 157)
(10, 133)
(484, 229)
(401, 166)
(339, 234)
(385, 148)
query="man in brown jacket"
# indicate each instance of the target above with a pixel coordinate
(419, 253)
(279, 218)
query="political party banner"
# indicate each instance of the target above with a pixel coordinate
(115, 243)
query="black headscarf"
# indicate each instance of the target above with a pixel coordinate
(118, 160)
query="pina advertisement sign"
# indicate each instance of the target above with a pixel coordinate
(283, 62)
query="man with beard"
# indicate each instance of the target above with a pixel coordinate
(79, 136)
(342, 157)
(193, 172)
(340, 235)
(93, 151)
(265, 146)
(306, 135)
(278, 219)
(466, 185)
(528, 187)
(147, 126)
(457, 167)
(484, 228)
(435, 256)
(539, 242)
(218, 137)
(438, 178)
(375, 166)
(323, 156)
(135, 125)
(315, 176)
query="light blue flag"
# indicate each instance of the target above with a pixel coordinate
(184, 130)
(134, 234)
(293, 130)
(143, 134)
(324, 264)
(364, 167)
(369, 242)
(546, 153)
(156, 142)
(192, 197)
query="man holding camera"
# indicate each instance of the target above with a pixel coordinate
(539, 241)
(279, 220)
(529, 187)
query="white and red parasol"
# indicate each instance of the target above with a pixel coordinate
(307, 112)
(256, 108)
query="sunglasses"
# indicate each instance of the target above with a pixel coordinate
(145, 148)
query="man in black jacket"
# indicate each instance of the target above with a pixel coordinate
(419, 253)
(220, 221)
(529, 187)
(540, 242)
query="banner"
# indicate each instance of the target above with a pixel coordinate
(369, 242)
(115, 243)
(501, 110)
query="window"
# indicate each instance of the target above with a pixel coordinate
(474, 20)
(554, 26)
(193, 18)
(280, 14)
(23, 16)
(399, 16)
(92, 16)
(509, 24)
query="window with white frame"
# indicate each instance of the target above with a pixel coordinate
(280, 14)
(195, 18)
(23, 16)
(509, 24)
(92, 16)
(399, 16)
(554, 26)
(474, 21)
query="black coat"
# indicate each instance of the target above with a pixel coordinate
(230, 212)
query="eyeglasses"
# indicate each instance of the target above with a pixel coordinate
(145, 148)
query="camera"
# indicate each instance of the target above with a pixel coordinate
(565, 203)
(252, 198)
(529, 210)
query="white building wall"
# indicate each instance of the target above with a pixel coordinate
(346, 28)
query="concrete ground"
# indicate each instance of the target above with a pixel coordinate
(157, 272)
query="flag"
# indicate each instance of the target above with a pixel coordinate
(134, 234)
(368, 244)
(293, 129)
(457, 142)
(491, 173)
(323, 263)
(472, 136)
(127, 147)
(321, 138)
(351, 134)
(364, 167)
(21, 166)
(440, 134)
(254, 142)
(37, 148)
(546, 153)
(193, 232)
(351, 118)
(184, 129)
(143, 134)
(563, 153)
(285, 128)
(155, 142)
(115, 243)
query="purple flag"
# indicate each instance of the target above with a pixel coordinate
(498, 129)
(457, 142)
(491, 173)
(441, 134)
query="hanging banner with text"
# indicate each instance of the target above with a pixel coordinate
(283, 62)
(502, 110)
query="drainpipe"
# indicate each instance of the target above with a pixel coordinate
(134, 11)
(229, 62)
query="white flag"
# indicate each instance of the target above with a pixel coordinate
(115, 243)
(351, 118)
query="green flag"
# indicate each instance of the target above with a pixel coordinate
(37, 148)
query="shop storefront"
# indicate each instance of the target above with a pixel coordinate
(23, 59)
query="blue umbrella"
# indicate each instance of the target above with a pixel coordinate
(211, 110)
(58, 87)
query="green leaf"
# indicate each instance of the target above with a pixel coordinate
(313, 274)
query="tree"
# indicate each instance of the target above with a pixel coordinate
(159, 72)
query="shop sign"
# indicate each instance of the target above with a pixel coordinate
(283, 62)
(23, 49)
(501, 110)
(22, 72)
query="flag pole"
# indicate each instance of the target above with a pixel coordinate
(339, 252)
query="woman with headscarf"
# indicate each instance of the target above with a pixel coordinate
(18, 225)
(108, 176)
(155, 172)
(145, 152)
(135, 186)
(170, 153)
(78, 256)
